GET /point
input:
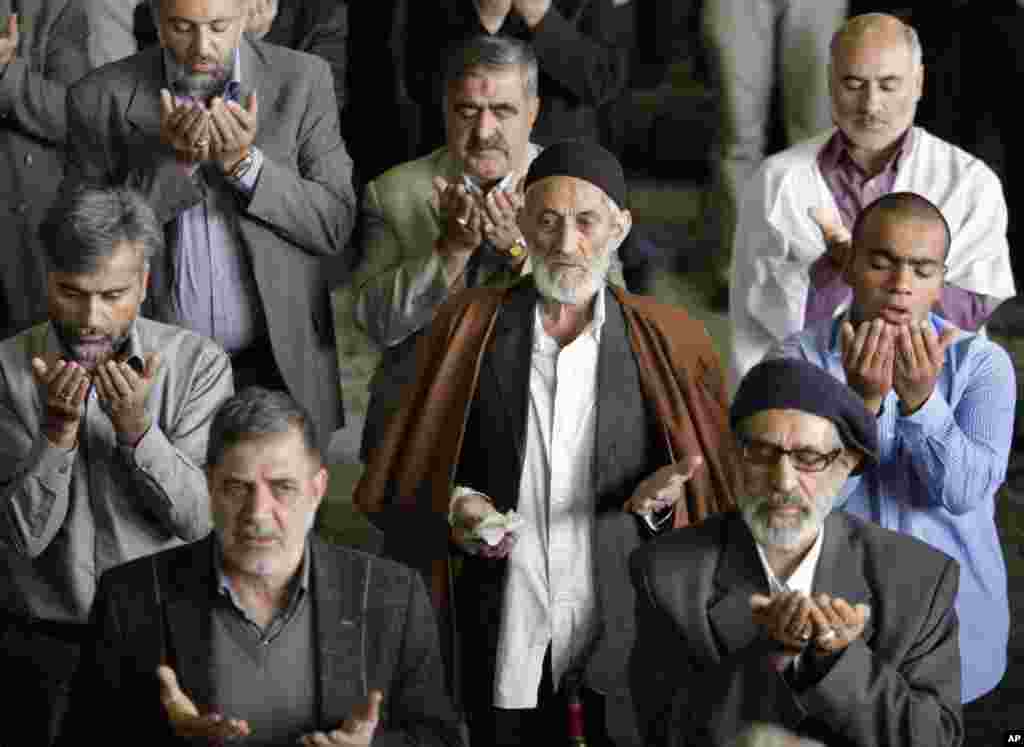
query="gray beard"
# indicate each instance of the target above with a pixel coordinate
(550, 288)
(785, 537)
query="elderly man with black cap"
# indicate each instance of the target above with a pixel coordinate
(786, 612)
(552, 427)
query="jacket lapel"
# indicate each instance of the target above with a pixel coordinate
(839, 572)
(739, 575)
(143, 111)
(505, 375)
(339, 591)
(188, 587)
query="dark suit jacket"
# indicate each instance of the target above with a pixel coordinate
(52, 54)
(700, 671)
(374, 629)
(301, 211)
(582, 46)
(627, 449)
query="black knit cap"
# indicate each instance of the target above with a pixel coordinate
(789, 384)
(582, 159)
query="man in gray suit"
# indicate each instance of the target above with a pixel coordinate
(42, 50)
(236, 144)
(259, 630)
(790, 614)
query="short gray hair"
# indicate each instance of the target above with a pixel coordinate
(86, 225)
(909, 33)
(497, 51)
(255, 412)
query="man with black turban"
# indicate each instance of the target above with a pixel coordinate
(555, 425)
(787, 613)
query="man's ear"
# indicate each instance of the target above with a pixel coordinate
(534, 110)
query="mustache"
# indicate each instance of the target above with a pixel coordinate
(259, 532)
(494, 143)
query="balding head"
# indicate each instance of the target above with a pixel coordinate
(875, 78)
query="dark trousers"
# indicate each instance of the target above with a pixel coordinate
(255, 366)
(38, 661)
(983, 717)
(543, 726)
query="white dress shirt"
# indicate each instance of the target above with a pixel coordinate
(549, 588)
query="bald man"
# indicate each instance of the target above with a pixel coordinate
(797, 211)
(944, 401)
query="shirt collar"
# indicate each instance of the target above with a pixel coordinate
(802, 579)
(176, 72)
(132, 350)
(836, 154)
(299, 582)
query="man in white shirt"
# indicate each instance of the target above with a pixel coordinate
(787, 612)
(796, 212)
(598, 416)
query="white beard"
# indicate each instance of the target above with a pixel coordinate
(552, 286)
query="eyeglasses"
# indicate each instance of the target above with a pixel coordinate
(765, 454)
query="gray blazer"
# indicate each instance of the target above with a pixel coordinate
(52, 53)
(699, 668)
(374, 626)
(301, 212)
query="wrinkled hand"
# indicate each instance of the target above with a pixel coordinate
(232, 130)
(868, 358)
(838, 241)
(785, 618)
(468, 511)
(920, 353)
(760, 734)
(836, 624)
(184, 717)
(185, 127)
(123, 393)
(531, 11)
(9, 41)
(260, 17)
(500, 213)
(63, 386)
(664, 488)
(356, 731)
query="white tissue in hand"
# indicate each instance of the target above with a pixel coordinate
(494, 528)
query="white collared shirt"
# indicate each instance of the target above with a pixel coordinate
(802, 579)
(549, 588)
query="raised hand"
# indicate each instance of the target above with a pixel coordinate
(838, 240)
(663, 488)
(232, 130)
(122, 392)
(184, 717)
(492, 13)
(462, 231)
(784, 618)
(836, 624)
(185, 128)
(868, 357)
(260, 17)
(9, 40)
(500, 211)
(531, 11)
(63, 386)
(356, 731)
(920, 353)
(467, 512)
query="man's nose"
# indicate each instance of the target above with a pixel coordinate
(486, 124)
(260, 501)
(202, 43)
(871, 99)
(93, 313)
(568, 240)
(784, 474)
(902, 278)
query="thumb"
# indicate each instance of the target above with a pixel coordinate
(368, 711)
(690, 465)
(178, 704)
(846, 335)
(252, 105)
(831, 226)
(760, 601)
(40, 368)
(152, 365)
(12, 25)
(166, 102)
(863, 611)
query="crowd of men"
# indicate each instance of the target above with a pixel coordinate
(592, 528)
